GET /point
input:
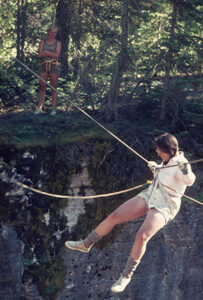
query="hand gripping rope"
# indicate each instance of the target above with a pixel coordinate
(111, 133)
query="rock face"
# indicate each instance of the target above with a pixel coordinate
(76, 207)
(11, 264)
(170, 269)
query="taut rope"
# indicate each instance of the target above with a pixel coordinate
(190, 163)
(190, 198)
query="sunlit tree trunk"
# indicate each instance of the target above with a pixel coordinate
(169, 59)
(111, 107)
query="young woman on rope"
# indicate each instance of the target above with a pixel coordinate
(160, 202)
(49, 52)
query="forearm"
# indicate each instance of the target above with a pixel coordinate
(46, 53)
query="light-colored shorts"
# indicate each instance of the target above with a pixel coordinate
(161, 203)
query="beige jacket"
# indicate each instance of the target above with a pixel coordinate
(168, 186)
(173, 177)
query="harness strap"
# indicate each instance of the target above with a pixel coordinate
(158, 184)
(48, 64)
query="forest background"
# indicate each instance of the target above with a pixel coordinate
(117, 56)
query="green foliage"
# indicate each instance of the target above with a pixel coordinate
(94, 35)
(17, 86)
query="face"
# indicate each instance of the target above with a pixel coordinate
(52, 33)
(164, 156)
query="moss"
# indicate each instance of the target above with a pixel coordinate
(51, 167)
(22, 130)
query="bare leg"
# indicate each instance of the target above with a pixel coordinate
(130, 210)
(42, 92)
(153, 222)
(54, 82)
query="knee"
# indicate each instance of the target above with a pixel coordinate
(54, 83)
(143, 237)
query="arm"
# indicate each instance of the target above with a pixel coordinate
(40, 50)
(186, 174)
(58, 49)
(44, 53)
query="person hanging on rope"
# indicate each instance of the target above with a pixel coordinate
(160, 202)
(49, 52)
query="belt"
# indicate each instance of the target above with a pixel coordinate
(48, 64)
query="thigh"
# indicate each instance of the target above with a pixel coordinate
(131, 209)
(53, 79)
(153, 222)
(44, 76)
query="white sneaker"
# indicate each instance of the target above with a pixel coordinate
(53, 112)
(120, 284)
(78, 245)
(38, 111)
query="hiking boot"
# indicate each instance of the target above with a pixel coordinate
(120, 284)
(53, 112)
(78, 245)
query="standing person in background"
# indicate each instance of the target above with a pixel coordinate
(160, 202)
(49, 52)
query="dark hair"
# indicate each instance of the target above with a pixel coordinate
(167, 143)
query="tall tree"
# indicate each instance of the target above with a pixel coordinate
(21, 24)
(111, 107)
(175, 4)
(64, 13)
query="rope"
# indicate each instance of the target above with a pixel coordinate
(84, 112)
(101, 195)
(190, 162)
(81, 197)
(190, 198)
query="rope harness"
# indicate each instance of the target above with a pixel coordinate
(112, 134)
(49, 63)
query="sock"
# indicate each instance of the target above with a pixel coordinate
(130, 267)
(92, 238)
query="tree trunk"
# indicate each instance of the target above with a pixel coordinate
(111, 107)
(21, 23)
(63, 20)
(169, 61)
(76, 37)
